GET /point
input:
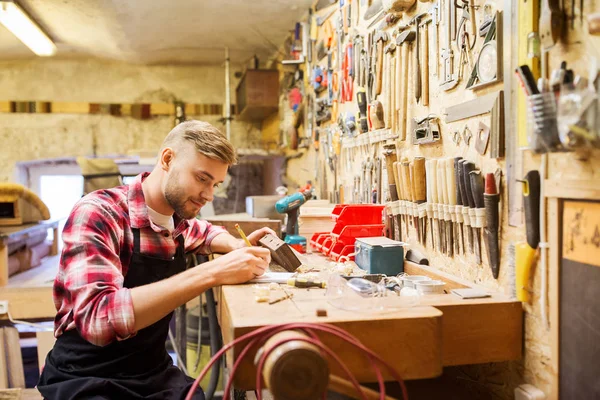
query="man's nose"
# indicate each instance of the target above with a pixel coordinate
(208, 193)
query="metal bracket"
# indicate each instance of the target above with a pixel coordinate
(426, 130)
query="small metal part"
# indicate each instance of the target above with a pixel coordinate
(467, 135)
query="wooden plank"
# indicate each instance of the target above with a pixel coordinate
(573, 189)
(70, 108)
(581, 232)
(417, 355)
(554, 229)
(162, 109)
(471, 108)
(3, 366)
(16, 375)
(40, 276)
(452, 282)
(13, 233)
(29, 303)
(3, 265)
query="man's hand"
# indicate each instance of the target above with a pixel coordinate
(255, 236)
(239, 266)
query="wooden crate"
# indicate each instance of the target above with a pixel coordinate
(257, 94)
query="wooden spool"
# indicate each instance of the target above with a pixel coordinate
(295, 370)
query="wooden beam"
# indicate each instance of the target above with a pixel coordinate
(581, 189)
(554, 233)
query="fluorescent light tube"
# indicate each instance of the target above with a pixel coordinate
(20, 24)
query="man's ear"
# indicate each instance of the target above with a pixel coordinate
(166, 158)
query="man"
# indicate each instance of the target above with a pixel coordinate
(122, 273)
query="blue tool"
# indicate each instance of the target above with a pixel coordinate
(290, 205)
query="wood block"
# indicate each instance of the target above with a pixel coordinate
(281, 253)
(16, 375)
(3, 366)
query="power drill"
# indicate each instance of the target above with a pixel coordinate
(290, 205)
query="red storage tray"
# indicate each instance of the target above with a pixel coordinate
(317, 239)
(357, 214)
(346, 236)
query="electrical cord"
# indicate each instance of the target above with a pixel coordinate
(262, 334)
(180, 362)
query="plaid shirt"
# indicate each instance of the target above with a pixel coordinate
(98, 245)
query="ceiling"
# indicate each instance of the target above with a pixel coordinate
(160, 31)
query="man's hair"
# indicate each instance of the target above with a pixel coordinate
(207, 140)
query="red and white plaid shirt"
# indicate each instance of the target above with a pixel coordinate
(98, 244)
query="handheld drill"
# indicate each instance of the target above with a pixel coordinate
(290, 205)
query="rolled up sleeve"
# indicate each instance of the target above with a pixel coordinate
(200, 235)
(92, 275)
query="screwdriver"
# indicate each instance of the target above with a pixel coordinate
(305, 283)
(477, 188)
(468, 167)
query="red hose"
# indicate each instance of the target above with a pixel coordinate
(268, 331)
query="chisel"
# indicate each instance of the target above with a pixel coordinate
(420, 185)
(443, 209)
(436, 194)
(465, 207)
(413, 197)
(491, 199)
(390, 158)
(468, 167)
(430, 213)
(477, 189)
(459, 205)
(406, 208)
(451, 184)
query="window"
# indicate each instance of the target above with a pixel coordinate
(59, 182)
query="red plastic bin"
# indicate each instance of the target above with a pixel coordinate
(357, 214)
(346, 236)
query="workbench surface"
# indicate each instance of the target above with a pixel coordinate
(442, 330)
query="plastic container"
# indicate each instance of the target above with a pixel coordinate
(346, 236)
(379, 255)
(357, 214)
(543, 128)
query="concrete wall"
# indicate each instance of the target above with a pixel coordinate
(38, 136)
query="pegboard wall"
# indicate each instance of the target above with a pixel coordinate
(337, 150)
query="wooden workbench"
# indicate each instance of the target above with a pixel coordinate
(443, 330)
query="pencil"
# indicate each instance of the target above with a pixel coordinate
(243, 235)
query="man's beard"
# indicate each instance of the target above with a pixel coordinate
(177, 199)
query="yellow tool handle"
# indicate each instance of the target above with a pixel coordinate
(420, 182)
(525, 257)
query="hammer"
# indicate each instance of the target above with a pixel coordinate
(404, 39)
(380, 39)
(417, 81)
(389, 50)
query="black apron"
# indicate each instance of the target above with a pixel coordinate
(135, 368)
